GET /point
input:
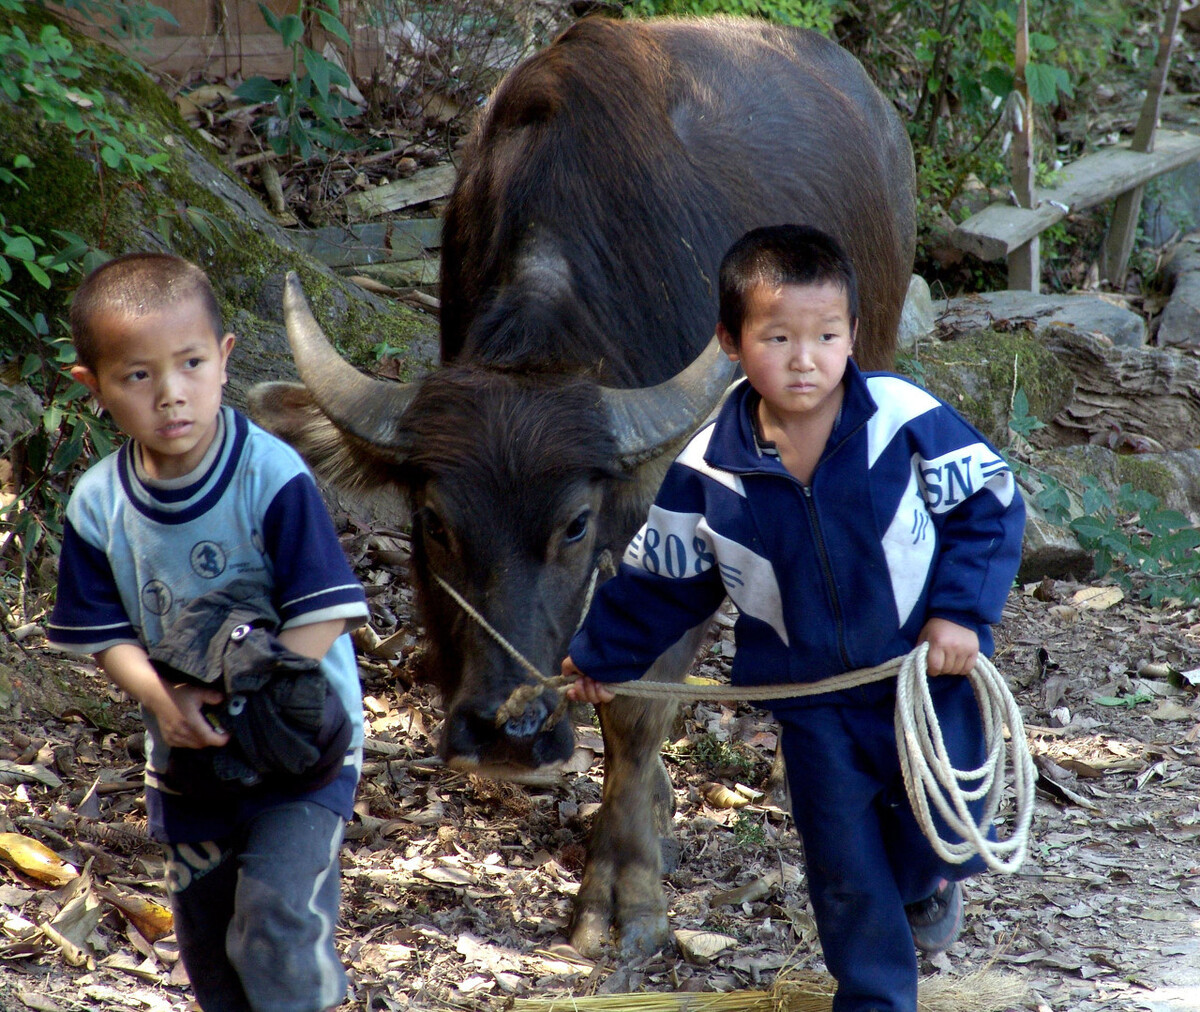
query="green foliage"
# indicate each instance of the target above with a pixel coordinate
(909, 364)
(1126, 702)
(44, 69)
(40, 67)
(748, 831)
(1152, 553)
(815, 14)
(63, 430)
(950, 68)
(207, 225)
(1020, 420)
(718, 755)
(48, 71)
(307, 109)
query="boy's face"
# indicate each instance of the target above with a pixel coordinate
(795, 342)
(160, 377)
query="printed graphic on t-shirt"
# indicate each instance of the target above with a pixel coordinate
(157, 597)
(208, 559)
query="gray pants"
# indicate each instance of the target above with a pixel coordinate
(255, 913)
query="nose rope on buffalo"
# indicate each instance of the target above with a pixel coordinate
(929, 774)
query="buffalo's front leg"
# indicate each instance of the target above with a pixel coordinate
(622, 883)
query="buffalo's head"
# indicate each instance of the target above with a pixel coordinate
(518, 482)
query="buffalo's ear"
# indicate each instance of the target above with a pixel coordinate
(290, 412)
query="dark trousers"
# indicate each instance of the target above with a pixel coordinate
(864, 853)
(255, 914)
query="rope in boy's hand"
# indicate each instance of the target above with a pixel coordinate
(928, 772)
(930, 775)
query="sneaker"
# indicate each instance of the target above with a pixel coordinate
(936, 921)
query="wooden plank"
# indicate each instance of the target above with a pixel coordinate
(1024, 263)
(227, 36)
(1025, 266)
(999, 229)
(1122, 230)
(371, 242)
(419, 188)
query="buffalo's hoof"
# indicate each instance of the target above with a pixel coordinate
(643, 933)
(591, 932)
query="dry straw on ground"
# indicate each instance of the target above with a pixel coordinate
(985, 990)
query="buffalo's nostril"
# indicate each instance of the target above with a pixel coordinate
(527, 723)
(468, 734)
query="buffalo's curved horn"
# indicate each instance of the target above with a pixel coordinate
(365, 408)
(647, 420)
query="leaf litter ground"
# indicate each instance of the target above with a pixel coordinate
(457, 889)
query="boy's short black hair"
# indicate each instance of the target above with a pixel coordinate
(778, 255)
(133, 285)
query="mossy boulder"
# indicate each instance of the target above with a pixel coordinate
(1173, 477)
(980, 372)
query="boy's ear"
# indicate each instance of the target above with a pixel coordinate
(226, 346)
(84, 375)
(728, 345)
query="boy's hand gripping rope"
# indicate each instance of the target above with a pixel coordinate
(929, 775)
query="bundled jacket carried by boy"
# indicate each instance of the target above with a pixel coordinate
(287, 726)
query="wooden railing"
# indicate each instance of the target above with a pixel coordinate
(1120, 172)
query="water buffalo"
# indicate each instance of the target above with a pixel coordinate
(595, 198)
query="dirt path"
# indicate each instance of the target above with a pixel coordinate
(457, 889)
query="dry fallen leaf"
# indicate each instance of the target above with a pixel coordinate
(1098, 598)
(35, 859)
(1169, 709)
(152, 919)
(701, 946)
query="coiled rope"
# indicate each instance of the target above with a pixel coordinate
(929, 775)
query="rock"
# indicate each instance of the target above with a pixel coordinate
(1010, 310)
(1172, 477)
(1179, 324)
(916, 318)
(1183, 259)
(20, 408)
(1123, 395)
(1173, 205)
(1051, 551)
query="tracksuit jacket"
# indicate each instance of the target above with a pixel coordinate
(910, 514)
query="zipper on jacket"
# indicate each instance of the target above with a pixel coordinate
(827, 569)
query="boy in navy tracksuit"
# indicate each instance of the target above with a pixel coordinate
(849, 516)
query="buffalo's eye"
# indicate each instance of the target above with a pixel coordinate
(577, 528)
(433, 528)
